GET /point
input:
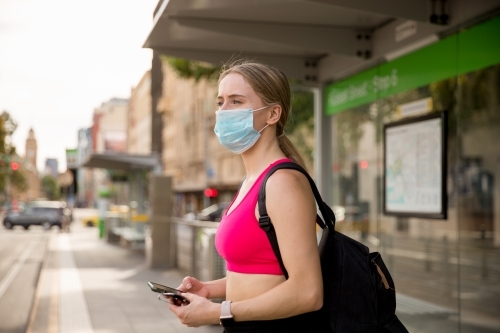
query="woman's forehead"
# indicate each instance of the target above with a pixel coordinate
(235, 84)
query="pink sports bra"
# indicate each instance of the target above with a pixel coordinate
(240, 240)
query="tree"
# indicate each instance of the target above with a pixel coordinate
(189, 69)
(8, 153)
(50, 188)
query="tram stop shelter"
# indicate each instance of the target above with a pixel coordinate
(380, 71)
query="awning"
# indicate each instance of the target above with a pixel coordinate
(124, 162)
(290, 34)
(298, 36)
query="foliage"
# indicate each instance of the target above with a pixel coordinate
(8, 153)
(302, 113)
(300, 125)
(49, 188)
(192, 69)
(18, 180)
(473, 92)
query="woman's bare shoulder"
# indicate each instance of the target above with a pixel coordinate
(286, 180)
(288, 188)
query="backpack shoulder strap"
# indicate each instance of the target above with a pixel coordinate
(265, 221)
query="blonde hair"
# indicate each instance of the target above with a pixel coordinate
(273, 88)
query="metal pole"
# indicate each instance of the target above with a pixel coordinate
(7, 183)
(322, 147)
(206, 200)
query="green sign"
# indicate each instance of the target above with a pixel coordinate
(466, 51)
(71, 158)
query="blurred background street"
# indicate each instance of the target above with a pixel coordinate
(111, 175)
(73, 282)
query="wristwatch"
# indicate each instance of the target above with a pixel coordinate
(226, 317)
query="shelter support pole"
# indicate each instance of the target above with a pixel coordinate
(323, 147)
(160, 245)
(496, 207)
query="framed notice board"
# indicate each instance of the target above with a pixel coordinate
(415, 156)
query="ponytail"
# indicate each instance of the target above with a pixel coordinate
(290, 151)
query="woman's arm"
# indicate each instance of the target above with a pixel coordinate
(291, 206)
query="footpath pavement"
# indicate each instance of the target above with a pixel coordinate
(89, 286)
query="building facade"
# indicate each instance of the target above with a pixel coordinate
(29, 170)
(139, 117)
(51, 167)
(83, 175)
(111, 131)
(191, 153)
(108, 136)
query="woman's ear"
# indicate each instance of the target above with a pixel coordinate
(275, 114)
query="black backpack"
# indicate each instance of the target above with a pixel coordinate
(359, 293)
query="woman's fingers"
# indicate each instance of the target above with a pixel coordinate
(186, 284)
(189, 297)
(194, 314)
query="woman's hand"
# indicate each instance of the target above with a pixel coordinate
(200, 311)
(193, 286)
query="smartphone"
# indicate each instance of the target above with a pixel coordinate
(176, 299)
(170, 292)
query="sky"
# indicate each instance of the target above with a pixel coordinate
(60, 59)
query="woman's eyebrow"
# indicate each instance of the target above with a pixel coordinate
(231, 96)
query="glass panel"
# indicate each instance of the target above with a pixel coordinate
(447, 272)
(421, 254)
(478, 199)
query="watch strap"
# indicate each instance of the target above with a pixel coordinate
(226, 317)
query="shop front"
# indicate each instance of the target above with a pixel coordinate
(415, 150)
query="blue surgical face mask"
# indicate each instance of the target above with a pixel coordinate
(234, 129)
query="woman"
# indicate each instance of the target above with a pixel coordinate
(254, 105)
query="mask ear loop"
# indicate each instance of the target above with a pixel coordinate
(264, 128)
(261, 109)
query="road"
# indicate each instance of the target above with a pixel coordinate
(22, 255)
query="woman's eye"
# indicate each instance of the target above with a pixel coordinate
(219, 104)
(236, 102)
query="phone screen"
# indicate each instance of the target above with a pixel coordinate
(159, 288)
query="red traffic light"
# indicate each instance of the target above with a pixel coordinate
(14, 166)
(211, 192)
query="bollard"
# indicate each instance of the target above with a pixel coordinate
(102, 227)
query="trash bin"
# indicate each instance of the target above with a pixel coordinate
(209, 264)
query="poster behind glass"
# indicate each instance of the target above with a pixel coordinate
(415, 167)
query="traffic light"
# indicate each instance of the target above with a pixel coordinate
(14, 166)
(211, 192)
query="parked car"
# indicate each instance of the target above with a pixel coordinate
(44, 213)
(213, 212)
(12, 206)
